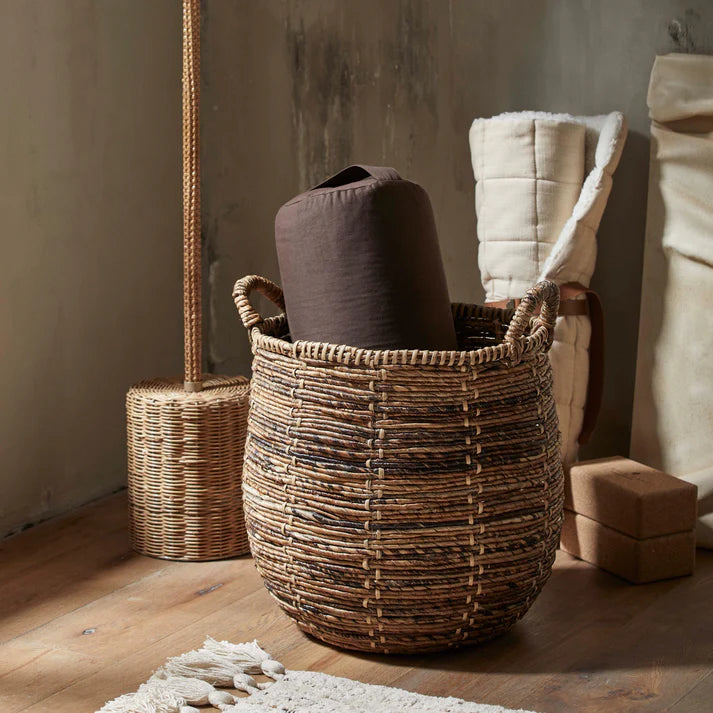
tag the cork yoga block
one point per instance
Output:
(637, 560)
(630, 497)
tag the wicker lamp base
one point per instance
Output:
(185, 460)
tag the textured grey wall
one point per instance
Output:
(296, 90)
(90, 298)
(293, 91)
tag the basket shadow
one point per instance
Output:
(587, 620)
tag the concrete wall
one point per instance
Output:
(295, 90)
(90, 195)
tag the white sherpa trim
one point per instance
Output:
(594, 195)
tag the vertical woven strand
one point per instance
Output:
(369, 557)
(469, 550)
(192, 322)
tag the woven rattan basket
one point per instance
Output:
(403, 501)
(185, 460)
(185, 436)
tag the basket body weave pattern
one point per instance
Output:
(403, 501)
(185, 459)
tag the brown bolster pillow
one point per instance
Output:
(360, 264)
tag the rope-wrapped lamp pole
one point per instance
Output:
(192, 302)
(186, 436)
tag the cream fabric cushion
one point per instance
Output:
(542, 183)
(673, 402)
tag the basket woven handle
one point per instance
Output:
(249, 316)
(546, 296)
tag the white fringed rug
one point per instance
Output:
(196, 679)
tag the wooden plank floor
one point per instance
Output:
(83, 619)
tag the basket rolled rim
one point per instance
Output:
(263, 336)
(216, 387)
(545, 295)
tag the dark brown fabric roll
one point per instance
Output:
(360, 264)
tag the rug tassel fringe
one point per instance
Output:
(191, 679)
(148, 699)
(218, 662)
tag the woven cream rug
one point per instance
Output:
(199, 678)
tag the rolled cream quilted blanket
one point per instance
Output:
(542, 183)
(673, 401)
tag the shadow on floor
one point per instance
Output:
(587, 620)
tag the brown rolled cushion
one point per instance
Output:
(360, 264)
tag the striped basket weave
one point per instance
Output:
(185, 459)
(404, 501)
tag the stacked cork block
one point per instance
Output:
(629, 519)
